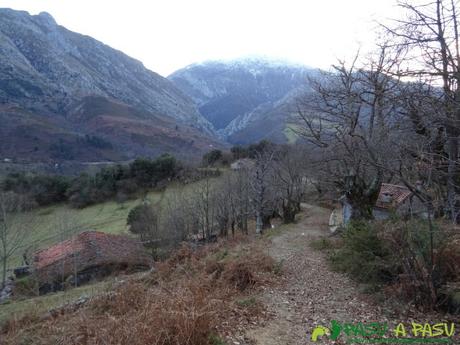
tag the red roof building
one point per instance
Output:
(391, 196)
(398, 200)
(87, 252)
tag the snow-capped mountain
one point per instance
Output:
(233, 94)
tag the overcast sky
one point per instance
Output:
(169, 34)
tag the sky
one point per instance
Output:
(169, 34)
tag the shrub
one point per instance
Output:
(322, 244)
(411, 259)
(148, 172)
(42, 189)
(363, 254)
(212, 157)
(179, 303)
(144, 220)
(427, 258)
(25, 287)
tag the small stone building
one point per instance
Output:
(399, 200)
(87, 256)
(243, 164)
(392, 199)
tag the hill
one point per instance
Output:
(58, 88)
(247, 99)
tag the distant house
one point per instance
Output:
(399, 200)
(89, 255)
(392, 199)
(244, 163)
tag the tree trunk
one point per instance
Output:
(289, 212)
(4, 261)
(452, 176)
(259, 223)
(266, 224)
(362, 198)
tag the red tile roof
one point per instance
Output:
(398, 195)
(88, 249)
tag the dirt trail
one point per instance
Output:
(312, 295)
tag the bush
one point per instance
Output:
(155, 229)
(126, 181)
(409, 259)
(427, 259)
(25, 287)
(212, 157)
(363, 255)
(148, 173)
(143, 220)
(42, 189)
(179, 303)
(322, 244)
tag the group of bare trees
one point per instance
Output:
(393, 114)
(429, 39)
(347, 117)
(272, 184)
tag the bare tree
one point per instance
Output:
(429, 36)
(241, 199)
(15, 227)
(179, 216)
(289, 180)
(260, 186)
(350, 117)
(203, 201)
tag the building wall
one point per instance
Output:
(412, 206)
(380, 214)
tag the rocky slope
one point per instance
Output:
(271, 121)
(247, 99)
(49, 74)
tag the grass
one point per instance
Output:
(276, 231)
(185, 301)
(216, 340)
(247, 302)
(16, 309)
(53, 224)
(56, 223)
(290, 132)
(322, 243)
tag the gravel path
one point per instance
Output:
(312, 294)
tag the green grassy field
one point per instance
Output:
(53, 224)
(38, 305)
(50, 225)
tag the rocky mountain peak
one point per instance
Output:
(231, 90)
(49, 71)
(47, 18)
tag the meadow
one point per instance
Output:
(53, 224)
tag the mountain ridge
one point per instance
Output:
(46, 71)
(230, 93)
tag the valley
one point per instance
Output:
(223, 194)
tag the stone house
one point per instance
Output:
(244, 163)
(399, 200)
(392, 199)
(87, 256)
